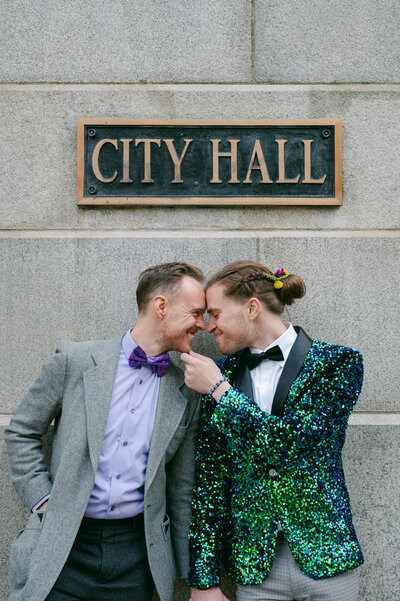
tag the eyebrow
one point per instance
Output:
(211, 309)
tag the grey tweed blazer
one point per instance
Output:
(74, 389)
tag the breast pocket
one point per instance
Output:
(22, 549)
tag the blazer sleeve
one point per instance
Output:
(41, 404)
(323, 407)
(209, 505)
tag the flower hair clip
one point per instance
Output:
(276, 277)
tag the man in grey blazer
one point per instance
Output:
(110, 515)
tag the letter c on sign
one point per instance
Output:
(95, 160)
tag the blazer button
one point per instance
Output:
(272, 473)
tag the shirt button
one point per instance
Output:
(140, 381)
(112, 507)
(133, 410)
(272, 473)
(118, 476)
(125, 443)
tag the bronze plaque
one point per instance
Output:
(209, 162)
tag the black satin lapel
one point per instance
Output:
(291, 370)
(242, 378)
(244, 382)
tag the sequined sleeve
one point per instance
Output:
(322, 408)
(209, 503)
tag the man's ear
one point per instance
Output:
(253, 307)
(160, 306)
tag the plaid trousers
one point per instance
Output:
(286, 582)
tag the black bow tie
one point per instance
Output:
(252, 360)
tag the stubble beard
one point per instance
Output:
(234, 344)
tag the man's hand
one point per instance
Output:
(43, 506)
(210, 594)
(201, 373)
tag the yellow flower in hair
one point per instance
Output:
(278, 284)
(285, 272)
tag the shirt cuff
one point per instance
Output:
(35, 507)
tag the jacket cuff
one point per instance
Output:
(39, 503)
(226, 408)
(39, 488)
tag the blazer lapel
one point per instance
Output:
(242, 377)
(172, 402)
(98, 386)
(291, 370)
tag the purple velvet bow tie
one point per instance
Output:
(158, 364)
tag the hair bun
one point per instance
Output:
(293, 287)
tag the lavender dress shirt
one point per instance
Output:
(119, 483)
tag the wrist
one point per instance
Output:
(223, 386)
(197, 594)
(216, 385)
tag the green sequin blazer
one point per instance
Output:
(255, 470)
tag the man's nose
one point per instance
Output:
(211, 325)
(201, 325)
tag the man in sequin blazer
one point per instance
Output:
(270, 500)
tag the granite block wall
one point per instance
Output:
(70, 272)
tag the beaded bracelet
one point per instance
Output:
(216, 386)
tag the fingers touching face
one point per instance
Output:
(184, 316)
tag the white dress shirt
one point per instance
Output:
(265, 376)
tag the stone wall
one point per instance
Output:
(69, 272)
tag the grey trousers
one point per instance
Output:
(286, 582)
(108, 562)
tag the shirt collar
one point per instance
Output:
(285, 341)
(128, 344)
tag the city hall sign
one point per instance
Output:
(209, 162)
